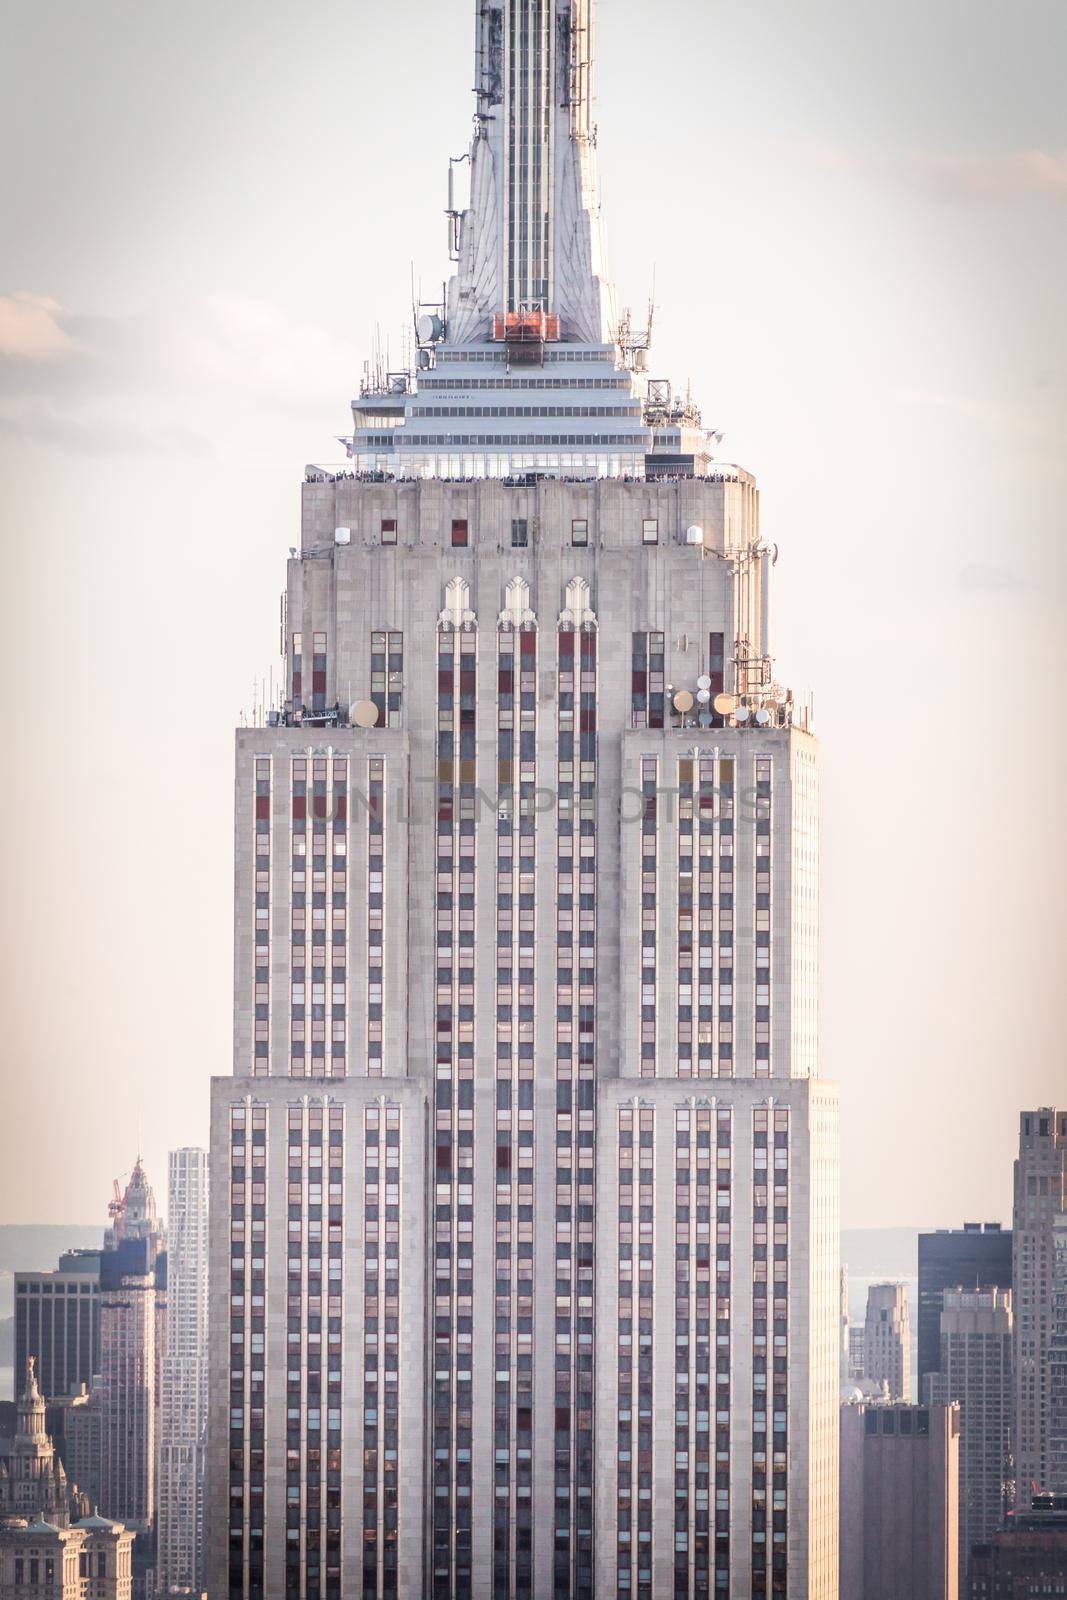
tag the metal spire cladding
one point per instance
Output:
(530, 239)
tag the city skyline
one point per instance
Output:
(608, 783)
(212, 370)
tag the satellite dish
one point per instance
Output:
(704, 719)
(683, 700)
(342, 536)
(363, 714)
(428, 327)
(704, 696)
(742, 714)
(695, 534)
(763, 716)
(704, 682)
(725, 704)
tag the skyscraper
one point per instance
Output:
(976, 1256)
(57, 1322)
(1040, 1199)
(976, 1372)
(524, 1270)
(899, 1502)
(183, 1397)
(132, 1335)
(887, 1339)
(1058, 1361)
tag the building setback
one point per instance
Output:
(524, 1222)
(976, 1256)
(1040, 1200)
(899, 1502)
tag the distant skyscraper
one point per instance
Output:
(976, 1256)
(899, 1502)
(1057, 1367)
(132, 1330)
(525, 1282)
(887, 1339)
(1040, 1199)
(183, 1404)
(976, 1371)
(57, 1322)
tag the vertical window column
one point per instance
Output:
(375, 914)
(763, 913)
(297, 668)
(318, 672)
(296, 1412)
(454, 1113)
(337, 826)
(576, 933)
(647, 680)
(513, 1380)
(686, 916)
(239, 1467)
(626, 1351)
(387, 677)
(298, 899)
(720, 1193)
(334, 1308)
(261, 1043)
(649, 912)
(381, 1351)
(705, 900)
(702, 1352)
(725, 1041)
(770, 1354)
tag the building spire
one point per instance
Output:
(530, 239)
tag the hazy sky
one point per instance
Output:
(857, 216)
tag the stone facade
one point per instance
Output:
(623, 926)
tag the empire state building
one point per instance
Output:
(524, 1186)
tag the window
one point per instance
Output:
(580, 530)
(389, 530)
(460, 533)
(520, 533)
(650, 530)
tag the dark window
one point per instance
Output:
(389, 530)
(460, 533)
(520, 533)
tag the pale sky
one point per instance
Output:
(857, 217)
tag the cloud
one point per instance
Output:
(95, 435)
(30, 330)
(1005, 175)
(993, 175)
